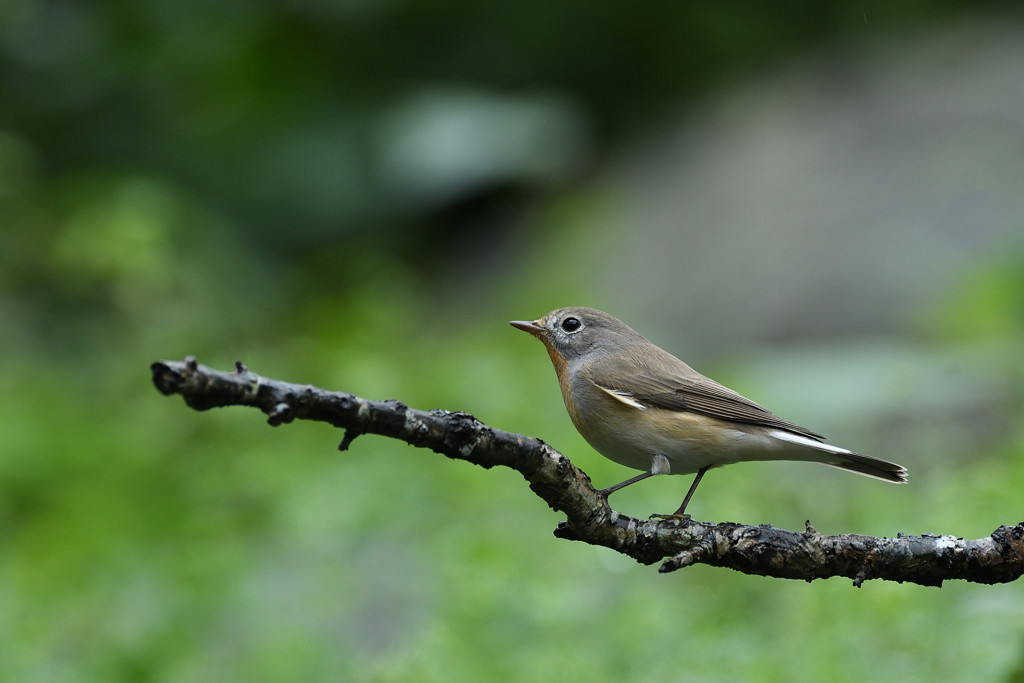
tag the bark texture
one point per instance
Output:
(764, 550)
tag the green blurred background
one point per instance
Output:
(817, 204)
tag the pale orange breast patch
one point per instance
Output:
(562, 372)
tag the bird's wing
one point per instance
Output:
(685, 389)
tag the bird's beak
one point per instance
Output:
(530, 326)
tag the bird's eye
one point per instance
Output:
(571, 324)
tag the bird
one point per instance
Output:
(638, 405)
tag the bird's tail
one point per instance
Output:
(834, 456)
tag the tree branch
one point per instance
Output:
(763, 550)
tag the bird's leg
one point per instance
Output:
(623, 484)
(659, 465)
(693, 487)
(681, 512)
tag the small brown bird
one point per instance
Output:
(642, 407)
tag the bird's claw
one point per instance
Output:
(685, 517)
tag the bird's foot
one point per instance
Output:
(675, 515)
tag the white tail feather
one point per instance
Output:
(810, 443)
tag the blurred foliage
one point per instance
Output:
(337, 193)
